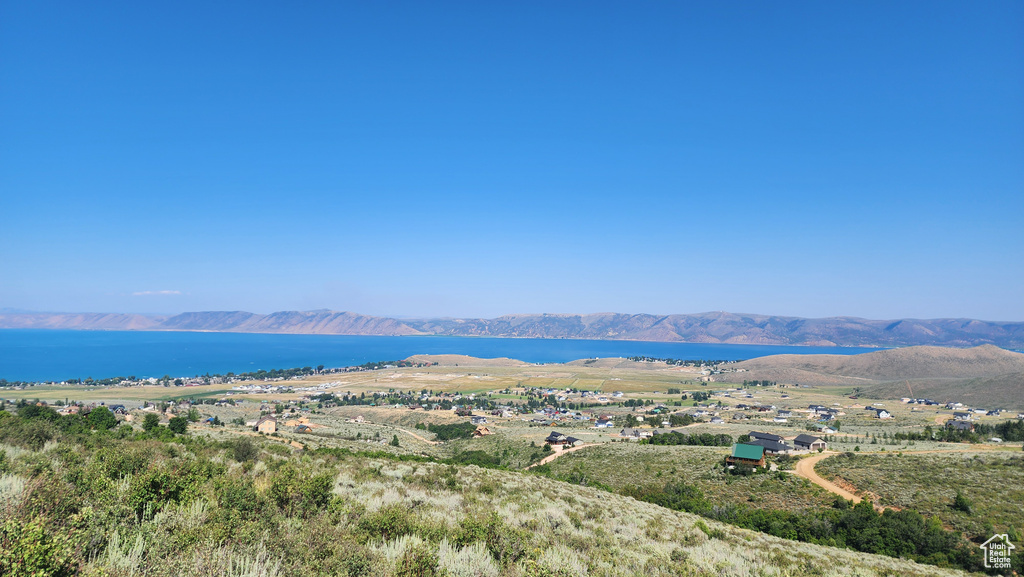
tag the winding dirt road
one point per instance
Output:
(805, 469)
(558, 454)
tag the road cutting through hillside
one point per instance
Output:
(558, 454)
(805, 469)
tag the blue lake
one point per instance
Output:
(55, 355)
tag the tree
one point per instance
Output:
(101, 418)
(150, 421)
(179, 425)
(244, 450)
(394, 441)
(193, 415)
(962, 503)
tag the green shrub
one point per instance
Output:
(120, 461)
(244, 449)
(962, 503)
(178, 425)
(298, 494)
(418, 561)
(30, 550)
(387, 523)
(101, 418)
(238, 495)
(450, 432)
(28, 434)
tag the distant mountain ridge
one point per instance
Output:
(711, 327)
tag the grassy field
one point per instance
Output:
(620, 465)
(993, 481)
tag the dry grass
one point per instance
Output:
(993, 481)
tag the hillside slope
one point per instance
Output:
(723, 327)
(80, 321)
(343, 514)
(984, 375)
(292, 322)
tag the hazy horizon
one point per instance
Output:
(452, 160)
(11, 310)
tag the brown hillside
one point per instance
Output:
(80, 321)
(466, 361)
(1001, 391)
(906, 363)
(987, 376)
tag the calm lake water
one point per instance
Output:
(54, 355)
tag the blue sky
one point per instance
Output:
(477, 159)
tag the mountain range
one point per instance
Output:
(711, 327)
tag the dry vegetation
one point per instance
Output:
(567, 528)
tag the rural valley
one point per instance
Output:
(452, 465)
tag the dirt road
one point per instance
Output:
(805, 469)
(558, 454)
(412, 434)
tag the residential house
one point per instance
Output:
(267, 425)
(960, 425)
(556, 438)
(602, 424)
(772, 447)
(809, 443)
(629, 433)
(749, 455)
(883, 414)
(765, 436)
(478, 420)
(303, 428)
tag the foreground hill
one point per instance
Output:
(716, 327)
(158, 504)
(985, 375)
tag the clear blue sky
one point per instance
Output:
(483, 158)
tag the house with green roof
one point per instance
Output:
(744, 454)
